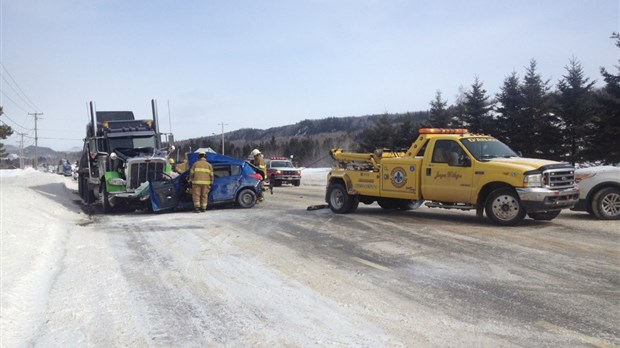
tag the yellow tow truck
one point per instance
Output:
(453, 169)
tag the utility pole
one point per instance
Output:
(223, 124)
(36, 139)
(21, 151)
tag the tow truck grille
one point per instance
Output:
(143, 171)
(559, 178)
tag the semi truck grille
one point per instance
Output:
(559, 178)
(143, 171)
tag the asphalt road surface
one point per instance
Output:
(281, 275)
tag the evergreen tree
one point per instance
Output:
(510, 129)
(458, 110)
(604, 140)
(5, 132)
(439, 115)
(538, 127)
(406, 132)
(380, 135)
(477, 114)
(575, 108)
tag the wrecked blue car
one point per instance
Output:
(236, 182)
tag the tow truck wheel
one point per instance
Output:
(246, 198)
(606, 204)
(545, 216)
(339, 200)
(503, 207)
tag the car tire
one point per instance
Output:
(606, 203)
(296, 182)
(504, 208)
(246, 198)
(339, 201)
(545, 216)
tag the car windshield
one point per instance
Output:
(485, 148)
(281, 164)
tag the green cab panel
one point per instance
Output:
(113, 188)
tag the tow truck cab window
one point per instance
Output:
(422, 150)
(449, 151)
(441, 150)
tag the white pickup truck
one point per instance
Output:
(599, 191)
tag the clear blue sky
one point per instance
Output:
(262, 64)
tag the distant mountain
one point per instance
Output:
(45, 154)
(309, 140)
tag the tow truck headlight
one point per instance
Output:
(533, 180)
(117, 181)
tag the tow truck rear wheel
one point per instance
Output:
(545, 216)
(503, 207)
(339, 201)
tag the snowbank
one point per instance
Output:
(314, 176)
(34, 225)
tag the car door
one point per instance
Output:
(163, 194)
(447, 180)
(227, 178)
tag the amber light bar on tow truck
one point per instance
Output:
(443, 131)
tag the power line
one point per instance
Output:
(35, 107)
(72, 139)
(14, 102)
(10, 119)
(16, 92)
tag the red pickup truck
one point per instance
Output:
(281, 170)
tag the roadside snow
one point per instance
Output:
(34, 226)
(314, 176)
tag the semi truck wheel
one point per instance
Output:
(503, 207)
(606, 204)
(339, 200)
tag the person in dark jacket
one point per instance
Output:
(201, 177)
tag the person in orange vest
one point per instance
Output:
(201, 177)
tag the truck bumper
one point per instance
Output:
(541, 199)
(287, 178)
